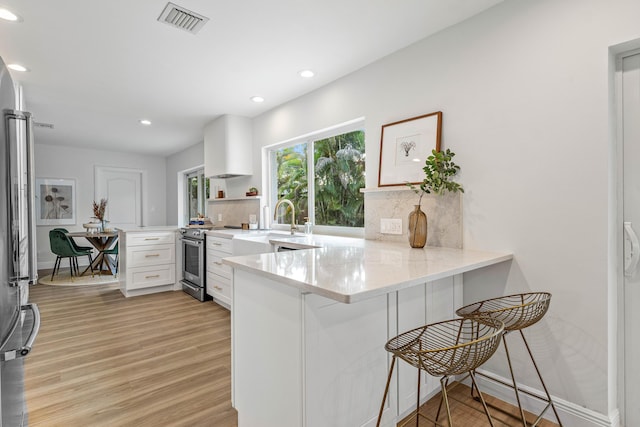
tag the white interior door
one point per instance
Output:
(631, 164)
(123, 190)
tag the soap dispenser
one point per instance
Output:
(307, 226)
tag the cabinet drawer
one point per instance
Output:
(219, 287)
(219, 244)
(151, 238)
(146, 277)
(215, 265)
(139, 256)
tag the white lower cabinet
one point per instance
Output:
(322, 363)
(219, 288)
(218, 283)
(147, 262)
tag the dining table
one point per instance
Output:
(101, 240)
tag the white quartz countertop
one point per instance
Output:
(348, 272)
(149, 228)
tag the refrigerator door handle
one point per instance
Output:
(26, 348)
(31, 196)
(21, 190)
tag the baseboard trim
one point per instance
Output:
(571, 414)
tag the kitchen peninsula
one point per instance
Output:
(309, 328)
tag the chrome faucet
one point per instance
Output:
(293, 213)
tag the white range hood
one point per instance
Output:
(228, 150)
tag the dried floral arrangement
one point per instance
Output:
(98, 209)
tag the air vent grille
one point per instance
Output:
(43, 125)
(179, 17)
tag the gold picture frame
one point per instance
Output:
(405, 146)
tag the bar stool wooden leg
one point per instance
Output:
(386, 390)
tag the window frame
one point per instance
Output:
(272, 186)
(202, 198)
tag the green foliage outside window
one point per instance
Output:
(339, 176)
(339, 169)
(292, 178)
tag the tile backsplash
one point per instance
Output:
(234, 211)
(444, 215)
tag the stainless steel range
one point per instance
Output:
(194, 267)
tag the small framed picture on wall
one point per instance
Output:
(55, 201)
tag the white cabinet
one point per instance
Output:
(219, 275)
(326, 359)
(147, 262)
(228, 147)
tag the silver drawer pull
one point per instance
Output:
(151, 255)
(217, 288)
(216, 244)
(151, 238)
(218, 263)
(152, 277)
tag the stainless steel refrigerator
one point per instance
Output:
(19, 320)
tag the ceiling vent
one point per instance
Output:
(179, 17)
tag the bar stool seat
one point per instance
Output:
(445, 349)
(517, 312)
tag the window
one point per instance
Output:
(322, 175)
(197, 193)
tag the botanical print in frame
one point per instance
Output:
(405, 146)
(55, 201)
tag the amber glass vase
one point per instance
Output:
(417, 228)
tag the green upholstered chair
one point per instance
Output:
(73, 242)
(62, 247)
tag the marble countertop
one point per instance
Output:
(350, 271)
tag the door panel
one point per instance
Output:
(631, 165)
(123, 190)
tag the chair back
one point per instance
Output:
(61, 245)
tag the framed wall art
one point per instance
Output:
(55, 201)
(405, 146)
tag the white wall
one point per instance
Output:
(524, 92)
(78, 164)
(186, 159)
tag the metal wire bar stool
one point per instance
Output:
(517, 312)
(445, 349)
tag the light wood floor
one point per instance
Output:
(105, 360)
(466, 412)
(157, 360)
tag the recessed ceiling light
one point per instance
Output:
(306, 74)
(18, 67)
(7, 15)
(145, 122)
(257, 99)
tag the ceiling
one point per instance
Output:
(97, 68)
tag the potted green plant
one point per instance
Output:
(253, 191)
(439, 170)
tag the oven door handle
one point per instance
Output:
(192, 242)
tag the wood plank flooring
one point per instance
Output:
(466, 412)
(105, 360)
(157, 360)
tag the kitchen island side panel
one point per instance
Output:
(267, 352)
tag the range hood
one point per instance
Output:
(228, 147)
